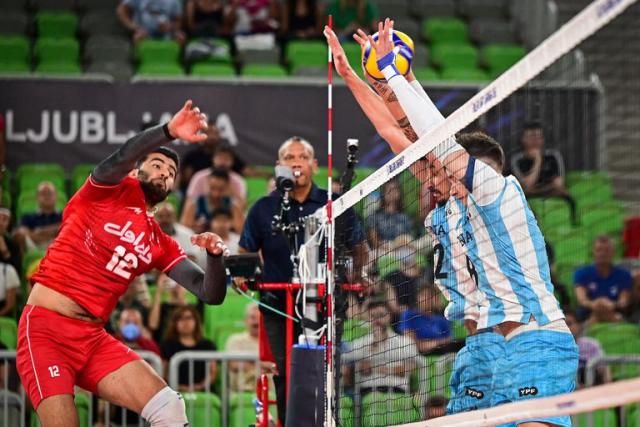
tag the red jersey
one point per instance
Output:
(106, 239)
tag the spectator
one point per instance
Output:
(223, 160)
(602, 289)
(302, 19)
(199, 157)
(559, 288)
(401, 284)
(168, 222)
(9, 250)
(198, 213)
(253, 16)
(349, 15)
(132, 332)
(207, 18)
(243, 374)
(157, 19)
(137, 297)
(423, 323)
(185, 333)
(589, 348)
(436, 406)
(9, 283)
(383, 359)
(540, 170)
(221, 223)
(37, 230)
(161, 310)
(389, 220)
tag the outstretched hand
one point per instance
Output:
(211, 242)
(384, 44)
(188, 124)
(340, 59)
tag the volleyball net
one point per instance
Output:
(565, 116)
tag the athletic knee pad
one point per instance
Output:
(165, 409)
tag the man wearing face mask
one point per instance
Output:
(131, 332)
(108, 237)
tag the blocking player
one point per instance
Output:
(454, 272)
(506, 246)
(109, 236)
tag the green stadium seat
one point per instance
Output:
(385, 409)
(224, 329)
(80, 174)
(62, 68)
(459, 331)
(231, 312)
(574, 177)
(39, 168)
(601, 418)
(498, 58)
(241, 410)
(322, 175)
(573, 249)
(203, 409)
(257, 187)
(212, 70)
(14, 68)
(354, 329)
(618, 338)
(56, 24)
(9, 332)
(15, 49)
(386, 265)
(345, 413)
(464, 74)
(445, 30)
(161, 69)
(361, 173)
(83, 403)
(425, 74)
(307, 54)
(632, 416)
(603, 220)
(354, 54)
(445, 55)
(555, 213)
(57, 50)
(151, 51)
(264, 70)
(29, 183)
(27, 203)
(591, 193)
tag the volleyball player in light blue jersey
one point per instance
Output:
(471, 378)
(504, 242)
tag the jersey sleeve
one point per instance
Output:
(172, 253)
(483, 182)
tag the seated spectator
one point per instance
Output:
(161, 310)
(383, 359)
(185, 333)
(424, 324)
(349, 15)
(302, 19)
(136, 296)
(253, 16)
(389, 220)
(9, 285)
(221, 223)
(207, 18)
(242, 376)
(223, 160)
(37, 230)
(198, 212)
(436, 406)
(132, 332)
(602, 289)
(168, 222)
(9, 250)
(199, 157)
(157, 19)
(540, 170)
(589, 348)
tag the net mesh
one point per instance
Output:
(398, 359)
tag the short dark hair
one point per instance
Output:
(220, 173)
(221, 212)
(437, 400)
(224, 149)
(479, 144)
(532, 125)
(166, 151)
(376, 302)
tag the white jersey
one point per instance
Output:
(505, 244)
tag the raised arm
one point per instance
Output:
(186, 124)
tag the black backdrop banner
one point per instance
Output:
(79, 121)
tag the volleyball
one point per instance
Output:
(403, 47)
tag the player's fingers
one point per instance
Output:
(373, 43)
(359, 39)
(187, 105)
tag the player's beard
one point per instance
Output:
(152, 193)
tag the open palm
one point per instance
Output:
(188, 124)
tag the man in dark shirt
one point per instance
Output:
(37, 230)
(257, 235)
(540, 170)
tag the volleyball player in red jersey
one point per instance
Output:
(109, 236)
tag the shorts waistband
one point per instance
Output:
(557, 325)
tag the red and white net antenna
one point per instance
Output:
(329, 421)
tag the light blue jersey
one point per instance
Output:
(453, 272)
(507, 249)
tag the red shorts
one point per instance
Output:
(56, 352)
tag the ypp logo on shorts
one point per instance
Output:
(528, 391)
(473, 393)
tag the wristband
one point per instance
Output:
(387, 65)
(165, 129)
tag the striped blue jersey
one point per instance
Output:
(451, 265)
(507, 249)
